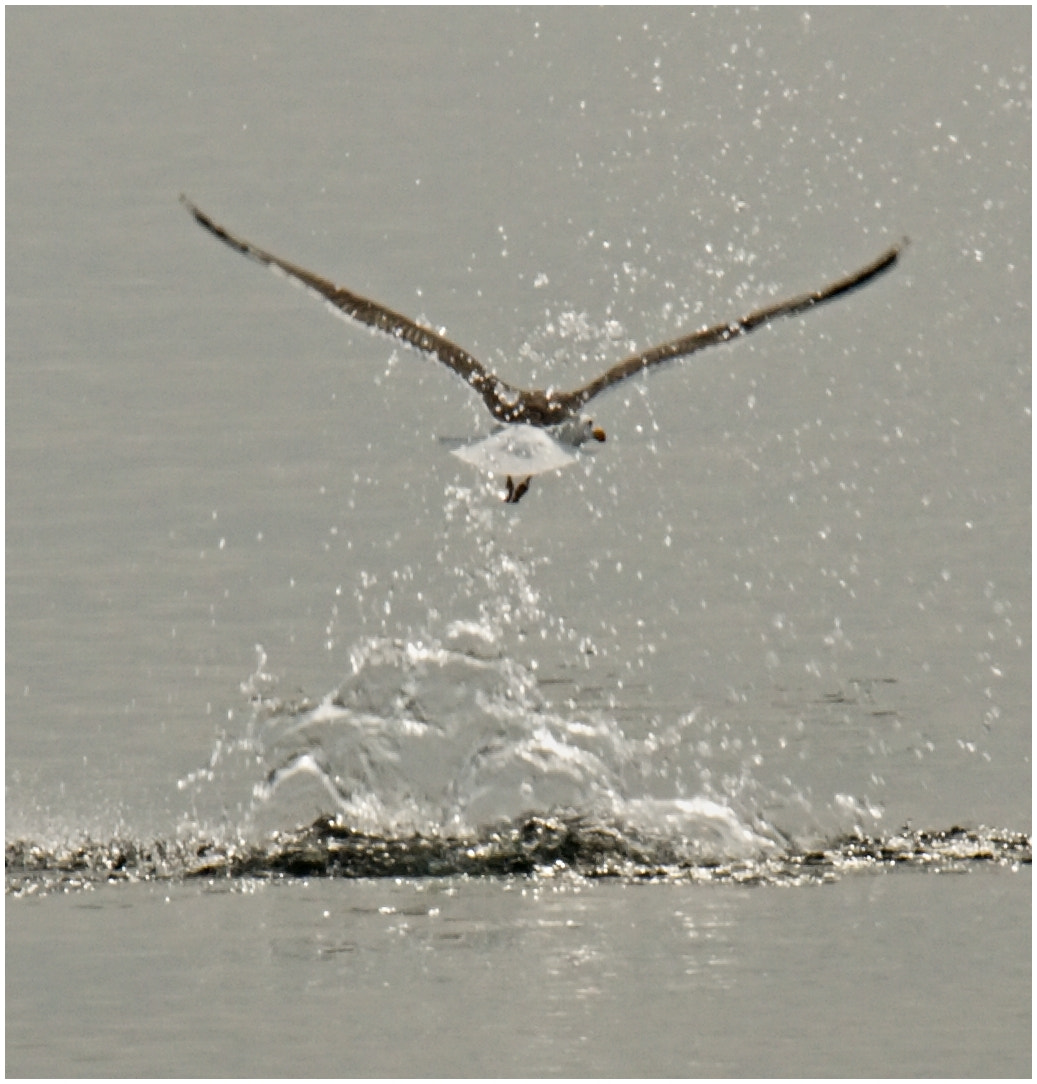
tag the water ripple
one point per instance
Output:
(533, 846)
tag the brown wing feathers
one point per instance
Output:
(721, 333)
(361, 309)
(505, 402)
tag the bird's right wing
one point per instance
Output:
(722, 333)
(362, 309)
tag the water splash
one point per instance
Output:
(447, 730)
(441, 752)
(451, 737)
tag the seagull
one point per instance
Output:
(559, 414)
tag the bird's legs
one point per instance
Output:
(515, 492)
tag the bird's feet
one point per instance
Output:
(516, 491)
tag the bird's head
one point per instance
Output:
(582, 429)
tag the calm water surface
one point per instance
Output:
(512, 978)
(784, 611)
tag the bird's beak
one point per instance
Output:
(598, 434)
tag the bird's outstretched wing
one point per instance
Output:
(371, 313)
(722, 333)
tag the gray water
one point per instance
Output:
(784, 608)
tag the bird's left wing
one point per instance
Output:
(722, 333)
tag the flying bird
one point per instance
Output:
(518, 453)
